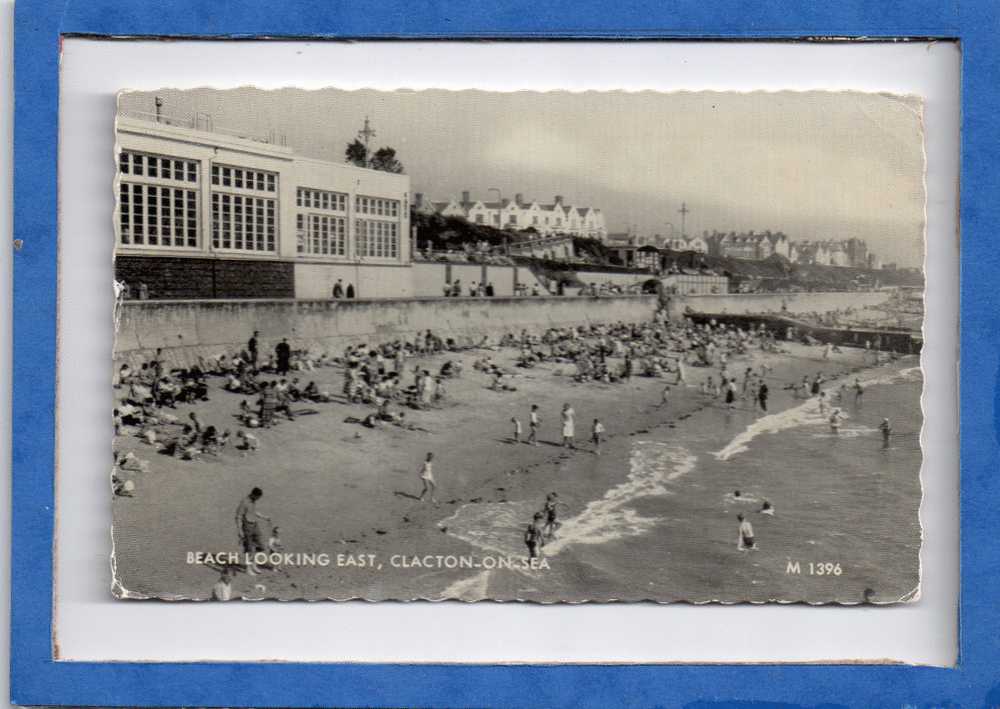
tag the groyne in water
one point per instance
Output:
(903, 342)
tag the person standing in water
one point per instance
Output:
(762, 396)
(835, 419)
(533, 537)
(886, 428)
(746, 541)
(859, 391)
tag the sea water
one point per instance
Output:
(668, 531)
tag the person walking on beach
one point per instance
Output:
(595, 435)
(568, 426)
(730, 394)
(745, 542)
(534, 539)
(533, 423)
(248, 525)
(886, 428)
(665, 396)
(427, 478)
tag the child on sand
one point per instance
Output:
(248, 441)
(517, 429)
(595, 435)
(427, 478)
(746, 540)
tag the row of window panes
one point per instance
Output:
(377, 239)
(320, 235)
(243, 223)
(320, 199)
(158, 216)
(376, 206)
(242, 179)
(158, 166)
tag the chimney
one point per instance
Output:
(418, 199)
(465, 197)
(518, 199)
(559, 199)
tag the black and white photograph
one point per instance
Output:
(552, 347)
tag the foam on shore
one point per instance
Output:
(807, 413)
(499, 527)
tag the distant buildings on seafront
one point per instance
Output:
(557, 217)
(759, 246)
(629, 248)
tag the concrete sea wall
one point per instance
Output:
(186, 329)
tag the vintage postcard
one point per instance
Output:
(550, 347)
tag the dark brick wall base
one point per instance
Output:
(169, 277)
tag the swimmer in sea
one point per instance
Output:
(767, 509)
(835, 418)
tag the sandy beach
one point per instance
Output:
(652, 516)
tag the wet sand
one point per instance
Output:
(349, 492)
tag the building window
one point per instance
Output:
(154, 215)
(239, 178)
(154, 211)
(243, 223)
(157, 167)
(377, 239)
(243, 213)
(479, 219)
(321, 235)
(376, 206)
(320, 199)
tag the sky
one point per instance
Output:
(814, 165)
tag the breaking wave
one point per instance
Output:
(499, 527)
(807, 413)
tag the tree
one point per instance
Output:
(385, 159)
(356, 153)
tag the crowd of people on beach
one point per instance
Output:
(277, 386)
